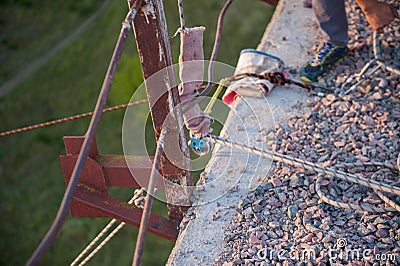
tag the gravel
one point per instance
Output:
(283, 219)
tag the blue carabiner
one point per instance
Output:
(200, 146)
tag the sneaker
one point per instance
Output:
(326, 55)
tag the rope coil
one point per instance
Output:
(363, 207)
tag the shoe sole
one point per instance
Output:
(305, 79)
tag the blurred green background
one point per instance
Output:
(67, 83)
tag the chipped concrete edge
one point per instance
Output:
(289, 36)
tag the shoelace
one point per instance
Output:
(326, 47)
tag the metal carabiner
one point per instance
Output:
(362, 75)
(201, 146)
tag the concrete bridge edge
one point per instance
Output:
(290, 36)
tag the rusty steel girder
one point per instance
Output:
(271, 2)
(91, 198)
(152, 41)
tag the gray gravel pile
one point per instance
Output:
(283, 222)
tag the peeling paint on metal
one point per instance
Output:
(161, 52)
(149, 11)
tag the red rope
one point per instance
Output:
(275, 78)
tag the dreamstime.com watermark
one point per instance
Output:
(338, 252)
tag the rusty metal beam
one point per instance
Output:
(106, 206)
(113, 170)
(73, 145)
(90, 134)
(118, 174)
(271, 2)
(99, 172)
(154, 49)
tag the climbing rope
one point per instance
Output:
(333, 172)
(364, 207)
(104, 242)
(217, 42)
(69, 118)
(181, 15)
(92, 244)
(138, 200)
(377, 54)
(275, 78)
(278, 78)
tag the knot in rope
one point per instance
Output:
(275, 77)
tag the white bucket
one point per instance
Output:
(253, 61)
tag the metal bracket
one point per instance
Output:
(91, 198)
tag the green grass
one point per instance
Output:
(27, 29)
(31, 182)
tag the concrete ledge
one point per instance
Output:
(231, 174)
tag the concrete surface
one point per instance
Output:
(231, 174)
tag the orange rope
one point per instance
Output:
(66, 119)
(276, 78)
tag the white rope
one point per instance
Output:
(377, 186)
(364, 207)
(94, 242)
(138, 200)
(181, 15)
(103, 243)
